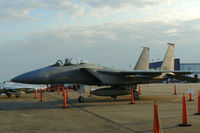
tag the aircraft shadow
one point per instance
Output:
(97, 100)
(31, 105)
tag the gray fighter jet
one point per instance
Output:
(10, 88)
(117, 82)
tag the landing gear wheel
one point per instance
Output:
(114, 97)
(8, 94)
(81, 99)
(17, 95)
(136, 95)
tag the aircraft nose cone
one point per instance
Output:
(33, 77)
(24, 78)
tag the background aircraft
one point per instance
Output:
(117, 82)
(10, 88)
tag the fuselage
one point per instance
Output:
(88, 74)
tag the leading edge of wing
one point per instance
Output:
(144, 72)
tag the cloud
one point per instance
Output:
(172, 32)
(20, 10)
(60, 17)
(16, 14)
(102, 8)
(16, 10)
(109, 42)
(114, 43)
(78, 12)
(170, 11)
(148, 10)
(181, 12)
(116, 4)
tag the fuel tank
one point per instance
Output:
(111, 91)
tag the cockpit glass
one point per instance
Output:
(70, 62)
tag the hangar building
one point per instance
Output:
(157, 65)
(178, 66)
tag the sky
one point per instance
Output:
(36, 33)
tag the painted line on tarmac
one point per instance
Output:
(97, 115)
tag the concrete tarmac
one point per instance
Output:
(99, 114)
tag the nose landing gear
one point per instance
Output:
(81, 91)
(81, 99)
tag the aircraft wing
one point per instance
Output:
(180, 75)
(183, 72)
(127, 73)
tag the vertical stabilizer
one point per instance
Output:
(143, 61)
(168, 61)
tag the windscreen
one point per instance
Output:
(70, 62)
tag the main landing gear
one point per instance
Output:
(81, 91)
(81, 99)
(17, 95)
(8, 94)
(113, 97)
(136, 95)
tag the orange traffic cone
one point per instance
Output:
(132, 97)
(64, 99)
(41, 95)
(198, 113)
(184, 113)
(190, 97)
(67, 96)
(175, 90)
(58, 90)
(156, 119)
(35, 93)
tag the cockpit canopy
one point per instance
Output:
(70, 62)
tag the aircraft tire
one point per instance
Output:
(81, 99)
(136, 95)
(114, 97)
(8, 94)
(17, 95)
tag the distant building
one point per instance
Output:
(178, 66)
(157, 65)
(191, 66)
